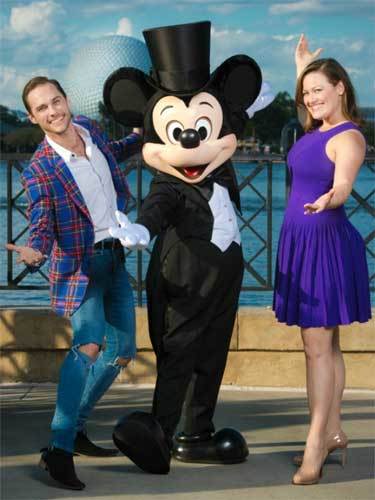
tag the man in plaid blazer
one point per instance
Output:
(74, 187)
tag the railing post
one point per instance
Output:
(287, 182)
(269, 223)
(9, 221)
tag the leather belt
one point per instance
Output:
(108, 243)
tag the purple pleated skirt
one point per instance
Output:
(321, 272)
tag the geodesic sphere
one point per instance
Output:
(91, 65)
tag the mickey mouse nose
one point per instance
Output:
(189, 138)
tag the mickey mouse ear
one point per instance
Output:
(239, 80)
(126, 93)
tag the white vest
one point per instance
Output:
(225, 228)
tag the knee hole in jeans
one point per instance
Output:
(91, 349)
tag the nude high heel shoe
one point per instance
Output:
(309, 472)
(335, 441)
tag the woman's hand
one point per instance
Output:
(303, 56)
(319, 204)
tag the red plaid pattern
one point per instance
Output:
(60, 223)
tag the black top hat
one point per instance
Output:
(180, 66)
(180, 56)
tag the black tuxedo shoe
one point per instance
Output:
(227, 446)
(59, 463)
(83, 446)
(140, 437)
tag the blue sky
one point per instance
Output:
(40, 37)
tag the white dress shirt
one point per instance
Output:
(93, 177)
(225, 229)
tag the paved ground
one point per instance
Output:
(273, 422)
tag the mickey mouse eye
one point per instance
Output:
(204, 128)
(174, 130)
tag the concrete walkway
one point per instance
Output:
(273, 422)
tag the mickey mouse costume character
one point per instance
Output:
(191, 120)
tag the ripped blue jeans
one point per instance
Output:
(106, 317)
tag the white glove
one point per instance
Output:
(132, 236)
(264, 98)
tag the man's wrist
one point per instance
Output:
(138, 131)
(41, 255)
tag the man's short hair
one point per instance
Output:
(33, 83)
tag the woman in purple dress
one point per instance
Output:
(321, 271)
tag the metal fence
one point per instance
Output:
(263, 207)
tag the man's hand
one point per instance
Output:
(132, 236)
(303, 56)
(27, 255)
(319, 204)
(138, 130)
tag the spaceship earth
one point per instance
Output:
(91, 65)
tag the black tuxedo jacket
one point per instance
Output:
(181, 210)
(178, 274)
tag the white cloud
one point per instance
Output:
(102, 8)
(301, 6)
(345, 48)
(355, 72)
(124, 27)
(285, 38)
(225, 8)
(228, 42)
(12, 81)
(34, 36)
(237, 37)
(356, 46)
(93, 9)
(217, 6)
(38, 20)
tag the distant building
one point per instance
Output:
(91, 65)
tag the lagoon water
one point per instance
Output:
(253, 237)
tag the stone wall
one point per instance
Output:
(263, 352)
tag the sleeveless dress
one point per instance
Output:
(321, 270)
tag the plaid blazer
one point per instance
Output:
(60, 223)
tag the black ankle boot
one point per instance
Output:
(59, 463)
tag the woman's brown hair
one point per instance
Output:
(335, 73)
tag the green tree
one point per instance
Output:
(268, 123)
(6, 116)
(23, 139)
